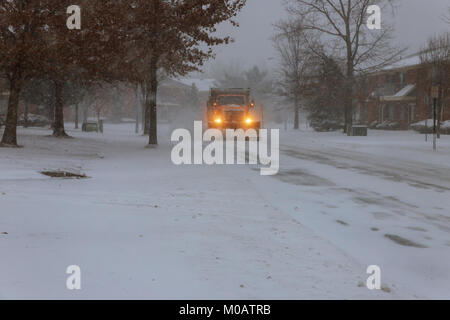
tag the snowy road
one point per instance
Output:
(384, 200)
(414, 173)
(141, 227)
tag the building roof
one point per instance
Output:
(408, 61)
(405, 91)
(402, 95)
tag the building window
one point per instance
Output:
(365, 111)
(402, 77)
(391, 78)
(412, 113)
(402, 113)
(390, 112)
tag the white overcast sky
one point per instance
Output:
(416, 20)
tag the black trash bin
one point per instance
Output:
(358, 131)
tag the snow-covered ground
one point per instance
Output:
(141, 227)
(384, 199)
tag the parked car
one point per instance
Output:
(326, 125)
(90, 126)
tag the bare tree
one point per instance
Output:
(295, 62)
(436, 56)
(176, 37)
(340, 26)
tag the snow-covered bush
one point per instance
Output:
(426, 126)
(373, 125)
(445, 127)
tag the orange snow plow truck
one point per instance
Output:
(232, 109)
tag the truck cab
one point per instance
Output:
(231, 109)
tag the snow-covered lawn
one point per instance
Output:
(143, 228)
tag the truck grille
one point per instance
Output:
(233, 115)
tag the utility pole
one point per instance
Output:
(434, 95)
(76, 116)
(434, 124)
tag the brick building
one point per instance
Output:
(398, 96)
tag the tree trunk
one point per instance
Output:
(143, 118)
(439, 112)
(58, 125)
(438, 123)
(85, 113)
(152, 84)
(296, 113)
(146, 109)
(25, 115)
(9, 138)
(348, 112)
(76, 116)
(147, 112)
(138, 97)
(51, 114)
(144, 93)
(153, 126)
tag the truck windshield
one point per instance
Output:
(231, 100)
